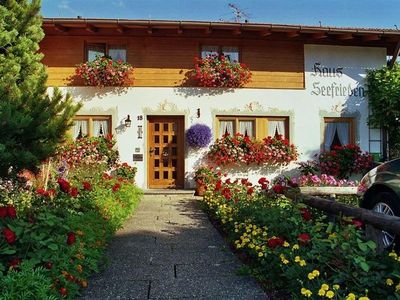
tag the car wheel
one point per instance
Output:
(388, 204)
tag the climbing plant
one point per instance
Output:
(383, 89)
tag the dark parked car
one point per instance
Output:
(380, 188)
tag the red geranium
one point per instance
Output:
(116, 187)
(264, 183)
(71, 238)
(226, 192)
(64, 185)
(3, 212)
(74, 192)
(275, 242)
(279, 189)
(305, 214)
(304, 238)
(357, 223)
(42, 192)
(87, 186)
(9, 235)
(12, 213)
(250, 191)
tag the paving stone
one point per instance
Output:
(210, 269)
(213, 287)
(104, 288)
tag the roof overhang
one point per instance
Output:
(387, 38)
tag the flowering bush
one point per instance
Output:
(124, 171)
(103, 71)
(54, 238)
(198, 136)
(343, 161)
(323, 180)
(205, 175)
(295, 250)
(218, 71)
(241, 149)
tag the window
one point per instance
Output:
(230, 52)
(88, 126)
(338, 132)
(114, 51)
(254, 127)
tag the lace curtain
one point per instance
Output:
(246, 128)
(208, 50)
(276, 127)
(100, 128)
(80, 129)
(232, 53)
(339, 128)
(117, 54)
(225, 127)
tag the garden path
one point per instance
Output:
(170, 250)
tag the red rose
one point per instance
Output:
(11, 212)
(304, 238)
(218, 185)
(3, 212)
(305, 214)
(275, 242)
(116, 187)
(226, 193)
(357, 223)
(87, 186)
(9, 235)
(71, 238)
(41, 192)
(64, 185)
(14, 263)
(74, 192)
(63, 291)
(279, 189)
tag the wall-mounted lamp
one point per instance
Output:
(198, 113)
(128, 121)
(140, 132)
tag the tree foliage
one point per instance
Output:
(32, 122)
(384, 101)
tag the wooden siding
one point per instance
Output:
(166, 62)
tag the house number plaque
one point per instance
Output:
(137, 157)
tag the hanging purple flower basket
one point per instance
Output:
(198, 136)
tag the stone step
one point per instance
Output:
(168, 192)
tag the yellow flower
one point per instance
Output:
(393, 254)
(398, 287)
(321, 292)
(310, 276)
(332, 235)
(306, 292)
(330, 294)
(302, 263)
(363, 298)
(325, 287)
(315, 273)
(295, 247)
(286, 244)
(260, 254)
(351, 296)
(389, 282)
(297, 259)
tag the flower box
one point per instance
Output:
(328, 190)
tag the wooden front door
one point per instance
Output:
(165, 145)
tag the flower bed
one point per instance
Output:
(53, 237)
(218, 71)
(239, 149)
(293, 249)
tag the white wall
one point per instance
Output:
(306, 107)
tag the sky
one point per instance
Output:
(351, 13)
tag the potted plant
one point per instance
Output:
(198, 136)
(218, 71)
(204, 176)
(103, 71)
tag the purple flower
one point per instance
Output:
(198, 136)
